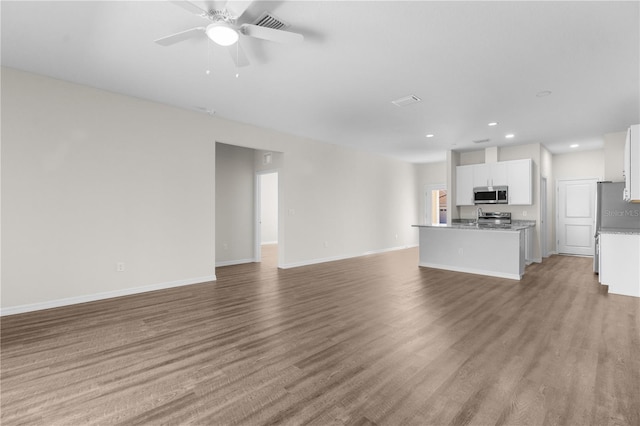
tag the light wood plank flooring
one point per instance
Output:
(372, 340)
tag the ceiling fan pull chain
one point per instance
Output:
(209, 53)
(237, 57)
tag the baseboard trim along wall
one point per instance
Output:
(334, 258)
(13, 310)
(234, 262)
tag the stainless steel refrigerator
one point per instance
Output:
(613, 213)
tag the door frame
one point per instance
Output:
(427, 202)
(257, 229)
(544, 217)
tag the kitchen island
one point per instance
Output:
(497, 251)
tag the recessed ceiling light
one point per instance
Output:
(574, 145)
(510, 136)
(543, 93)
(493, 123)
(429, 135)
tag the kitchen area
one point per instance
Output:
(616, 258)
(504, 213)
(490, 244)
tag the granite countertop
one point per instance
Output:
(620, 231)
(516, 225)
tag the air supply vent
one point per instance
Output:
(267, 20)
(481, 141)
(407, 100)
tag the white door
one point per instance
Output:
(576, 216)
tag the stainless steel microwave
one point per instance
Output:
(490, 195)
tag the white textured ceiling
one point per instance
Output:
(470, 62)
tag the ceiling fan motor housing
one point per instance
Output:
(221, 31)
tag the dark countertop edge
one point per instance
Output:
(512, 228)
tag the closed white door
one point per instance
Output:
(576, 216)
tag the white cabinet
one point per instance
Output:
(632, 164)
(519, 182)
(490, 174)
(464, 185)
(619, 266)
(517, 175)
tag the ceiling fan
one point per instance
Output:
(225, 31)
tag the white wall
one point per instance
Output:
(579, 165)
(546, 170)
(269, 208)
(234, 197)
(614, 156)
(91, 178)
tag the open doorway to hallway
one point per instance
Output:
(238, 236)
(436, 205)
(267, 218)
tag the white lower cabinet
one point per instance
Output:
(620, 263)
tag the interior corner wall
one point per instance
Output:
(235, 212)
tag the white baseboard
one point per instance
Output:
(234, 262)
(20, 309)
(335, 258)
(264, 243)
(471, 271)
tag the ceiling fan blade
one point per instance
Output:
(181, 36)
(187, 5)
(237, 54)
(270, 34)
(237, 7)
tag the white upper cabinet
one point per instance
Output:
(519, 182)
(517, 175)
(490, 174)
(464, 185)
(632, 165)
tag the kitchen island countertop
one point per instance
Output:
(516, 225)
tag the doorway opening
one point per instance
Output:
(267, 218)
(436, 205)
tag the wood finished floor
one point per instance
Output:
(372, 340)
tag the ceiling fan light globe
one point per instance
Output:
(222, 34)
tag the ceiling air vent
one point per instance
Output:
(267, 20)
(481, 141)
(407, 100)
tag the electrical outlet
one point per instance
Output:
(120, 267)
(326, 243)
(524, 213)
(396, 236)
